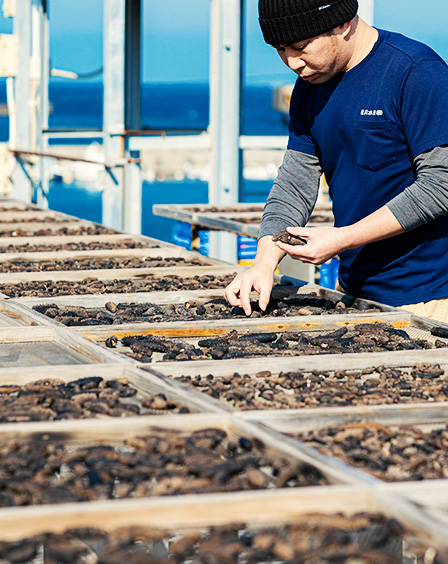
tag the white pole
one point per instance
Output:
(113, 114)
(225, 93)
(22, 188)
(43, 104)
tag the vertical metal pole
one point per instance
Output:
(132, 171)
(22, 188)
(114, 110)
(225, 103)
(366, 10)
(35, 67)
(133, 64)
(43, 107)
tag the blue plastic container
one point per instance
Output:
(328, 274)
(181, 235)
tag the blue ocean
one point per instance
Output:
(164, 106)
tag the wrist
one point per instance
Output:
(268, 254)
(269, 264)
(348, 238)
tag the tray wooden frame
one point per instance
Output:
(281, 419)
(306, 325)
(7, 203)
(165, 298)
(215, 327)
(64, 239)
(119, 273)
(255, 508)
(283, 422)
(191, 511)
(226, 219)
(277, 364)
(144, 383)
(164, 253)
(52, 226)
(298, 420)
(115, 430)
(99, 300)
(37, 215)
(197, 296)
(19, 315)
(82, 348)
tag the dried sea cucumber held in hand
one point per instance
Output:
(288, 239)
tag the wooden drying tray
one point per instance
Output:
(252, 508)
(324, 363)
(113, 430)
(43, 346)
(298, 420)
(188, 212)
(202, 296)
(35, 215)
(120, 273)
(162, 298)
(305, 325)
(60, 221)
(164, 253)
(277, 364)
(232, 222)
(143, 382)
(221, 327)
(225, 218)
(16, 522)
(6, 204)
(37, 226)
(184, 212)
(284, 423)
(99, 300)
(63, 239)
(196, 297)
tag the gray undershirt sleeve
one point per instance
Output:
(427, 197)
(293, 195)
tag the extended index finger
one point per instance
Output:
(247, 284)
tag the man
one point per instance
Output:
(370, 110)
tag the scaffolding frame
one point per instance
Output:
(122, 137)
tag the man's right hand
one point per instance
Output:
(260, 277)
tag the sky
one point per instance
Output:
(176, 37)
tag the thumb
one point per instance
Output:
(303, 231)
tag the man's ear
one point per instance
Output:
(344, 30)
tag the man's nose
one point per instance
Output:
(294, 62)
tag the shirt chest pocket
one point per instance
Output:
(375, 146)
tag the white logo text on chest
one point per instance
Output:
(372, 112)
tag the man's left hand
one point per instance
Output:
(323, 243)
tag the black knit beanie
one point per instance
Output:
(284, 22)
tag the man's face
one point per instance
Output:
(316, 60)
